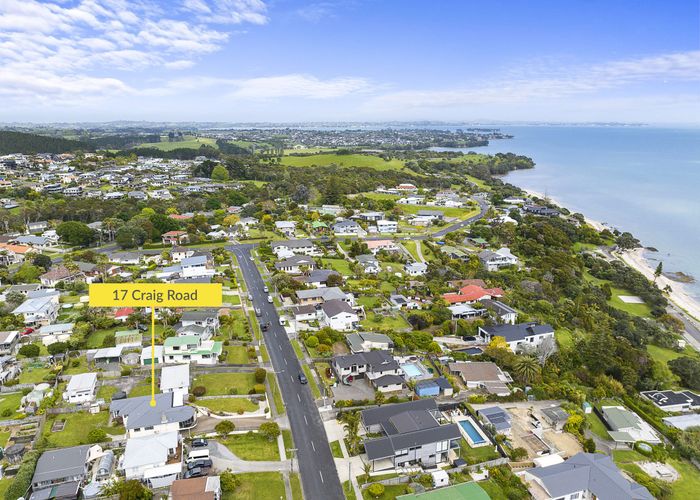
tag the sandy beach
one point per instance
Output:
(635, 259)
(679, 296)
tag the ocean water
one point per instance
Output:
(639, 179)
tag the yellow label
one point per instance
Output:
(155, 295)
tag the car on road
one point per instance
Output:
(283, 321)
(302, 378)
(250, 296)
(252, 258)
(266, 289)
(196, 472)
(258, 312)
(199, 443)
(269, 299)
(203, 463)
(266, 326)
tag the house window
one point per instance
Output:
(574, 496)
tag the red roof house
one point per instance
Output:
(472, 293)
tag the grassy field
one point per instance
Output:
(411, 247)
(346, 160)
(374, 321)
(641, 310)
(190, 142)
(349, 491)
(476, 455)
(31, 375)
(258, 486)
(336, 450)
(76, 429)
(10, 403)
(296, 486)
(276, 394)
(237, 355)
(220, 384)
(297, 349)
(252, 446)
(230, 405)
(597, 426)
(340, 265)
(665, 355)
(390, 492)
(312, 381)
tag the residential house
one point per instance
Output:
(318, 277)
(433, 387)
(372, 216)
(502, 312)
(38, 311)
(406, 188)
(413, 433)
(433, 215)
(366, 341)
(338, 315)
(205, 318)
(415, 268)
(496, 417)
(493, 261)
(472, 293)
(295, 264)
(583, 476)
(175, 238)
(387, 226)
(196, 267)
(125, 258)
(14, 254)
(465, 311)
(370, 364)
(628, 427)
(286, 227)
(176, 379)
(60, 274)
(81, 388)
(37, 227)
(348, 228)
(155, 459)
(287, 248)
(376, 246)
(369, 263)
(140, 418)
(59, 473)
(178, 253)
(482, 375)
(528, 334)
(540, 210)
(673, 401)
(191, 349)
(201, 488)
(122, 314)
(555, 416)
(321, 295)
(8, 341)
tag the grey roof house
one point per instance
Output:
(140, 418)
(55, 467)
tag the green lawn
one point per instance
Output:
(76, 430)
(4, 436)
(461, 213)
(597, 426)
(237, 355)
(142, 389)
(340, 265)
(296, 486)
(345, 160)
(476, 455)
(31, 375)
(411, 247)
(232, 299)
(82, 367)
(96, 338)
(390, 492)
(312, 381)
(349, 491)
(106, 392)
(190, 142)
(9, 402)
(297, 349)
(276, 394)
(252, 446)
(688, 484)
(336, 450)
(641, 310)
(665, 355)
(288, 440)
(373, 322)
(230, 405)
(4, 485)
(258, 486)
(220, 384)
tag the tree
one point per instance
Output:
(27, 273)
(626, 241)
(76, 233)
(375, 489)
(688, 369)
(351, 424)
(219, 173)
(57, 348)
(260, 375)
(129, 490)
(527, 369)
(379, 398)
(97, 435)
(545, 349)
(130, 236)
(658, 271)
(270, 430)
(229, 481)
(42, 260)
(224, 428)
(30, 350)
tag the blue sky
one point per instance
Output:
(284, 60)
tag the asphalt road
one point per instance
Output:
(319, 476)
(483, 208)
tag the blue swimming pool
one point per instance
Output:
(411, 370)
(471, 432)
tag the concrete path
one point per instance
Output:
(224, 459)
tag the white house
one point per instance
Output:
(155, 459)
(142, 419)
(517, 336)
(176, 379)
(295, 263)
(387, 226)
(338, 315)
(288, 248)
(493, 261)
(81, 388)
(415, 268)
(191, 349)
(371, 364)
(348, 228)
(286, 227)
(38, 311)
(196, 267)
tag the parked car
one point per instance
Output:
(196, 472)
(258, 312)
(203, 463)
(27, 331)
(302, 378)
(250, 296)
(469, 338)
(269, 299)
(283, 321)
(266, 289)
(199, 443)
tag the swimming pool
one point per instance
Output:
(411, 370)
(474, 435)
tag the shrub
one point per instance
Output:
(126, 371)
(376, 490)
(224, 427)
(258, 389)
(311, 341)
(270, 430)
(23, 478)
(97, 436)
(233, 391)
(30, 351)
(229, 481)
(57, 347)
(199, 391)
(260, 375)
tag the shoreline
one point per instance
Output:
(636, 260)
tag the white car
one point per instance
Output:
(269, 299)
